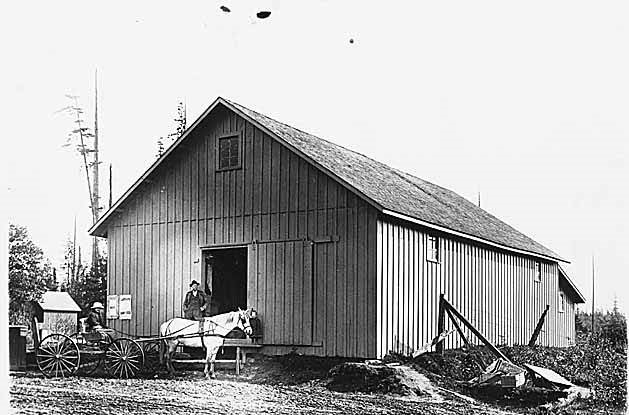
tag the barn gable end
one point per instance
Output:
(307, 239)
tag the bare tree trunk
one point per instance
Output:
(96, 197)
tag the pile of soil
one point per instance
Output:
(361, 377)
(289, 369)
(380, 378)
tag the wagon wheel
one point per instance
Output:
(124, 358)
(58, 356)
(151, 356)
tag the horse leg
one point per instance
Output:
(207, 362)
(169, 355)
(211, 356)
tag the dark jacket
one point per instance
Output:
(192, 305)
(94, 320)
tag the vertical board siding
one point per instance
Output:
(496, 291)
(319, 297)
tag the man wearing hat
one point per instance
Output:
(195, 303)
(95, 317)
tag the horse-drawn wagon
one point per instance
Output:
(60, 355)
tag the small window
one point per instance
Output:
(538, 272)
(432, 249)
(228, 154)
(562, 302)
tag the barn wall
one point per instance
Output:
(317, 296)
(493, 289)
(567, 318)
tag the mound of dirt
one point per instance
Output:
(288, 369)
(379, 378)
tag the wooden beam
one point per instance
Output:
(478, 334)
(458, 328)
(538, 327)
(441, 322)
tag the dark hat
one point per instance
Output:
(194, 282)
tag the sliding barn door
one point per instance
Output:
(281, 290)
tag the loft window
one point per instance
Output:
(538, 272)
(562, 302)
(432, 249)
(228, 154)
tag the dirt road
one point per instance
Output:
(33, 394)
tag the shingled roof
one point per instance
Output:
(396, 191)
(392, 191)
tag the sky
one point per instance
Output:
(526, 103)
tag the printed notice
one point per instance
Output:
(112, 306)
(124, 307)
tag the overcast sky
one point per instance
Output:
(527, 103)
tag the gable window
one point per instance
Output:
(562, 302)
(432, 249)
(228, 154)
(538, 272)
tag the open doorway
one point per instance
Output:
(225, 279)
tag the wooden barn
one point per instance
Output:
(340, 254)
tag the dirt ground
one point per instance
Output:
(190, 393)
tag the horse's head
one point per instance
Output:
(243, 321)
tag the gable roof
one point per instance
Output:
(389, 190)
(572, 288)
(58, 301)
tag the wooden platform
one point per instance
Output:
(242, 347)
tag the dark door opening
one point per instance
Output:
(225, 279)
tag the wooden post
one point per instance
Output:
(441, 322)
(539, 326)
(478, 334)
(458, 328)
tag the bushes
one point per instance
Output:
(594, 362)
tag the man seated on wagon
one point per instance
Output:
(95, 319)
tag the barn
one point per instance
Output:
(340, 254)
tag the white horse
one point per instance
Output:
(209, 333)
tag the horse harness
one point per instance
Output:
(202, 333)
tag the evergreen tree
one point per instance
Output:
(89, 285)
(30, 274)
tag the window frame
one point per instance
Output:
(238, 135)
(436, 250)
(537, 272)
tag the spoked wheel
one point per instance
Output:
(151, 356)
(58, 356)
(124, 358)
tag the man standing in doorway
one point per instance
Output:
(195, 303)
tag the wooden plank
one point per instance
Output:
(279, 292)
(300, 294)
(310, 286)
(289, 322)
(473, 329)
(370, 334)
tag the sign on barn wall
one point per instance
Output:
(124, 306)
(112, 306)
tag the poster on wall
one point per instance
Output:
(124, 307)
(112, 306)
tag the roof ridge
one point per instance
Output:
(307, 133)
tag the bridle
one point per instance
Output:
(245, 322)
